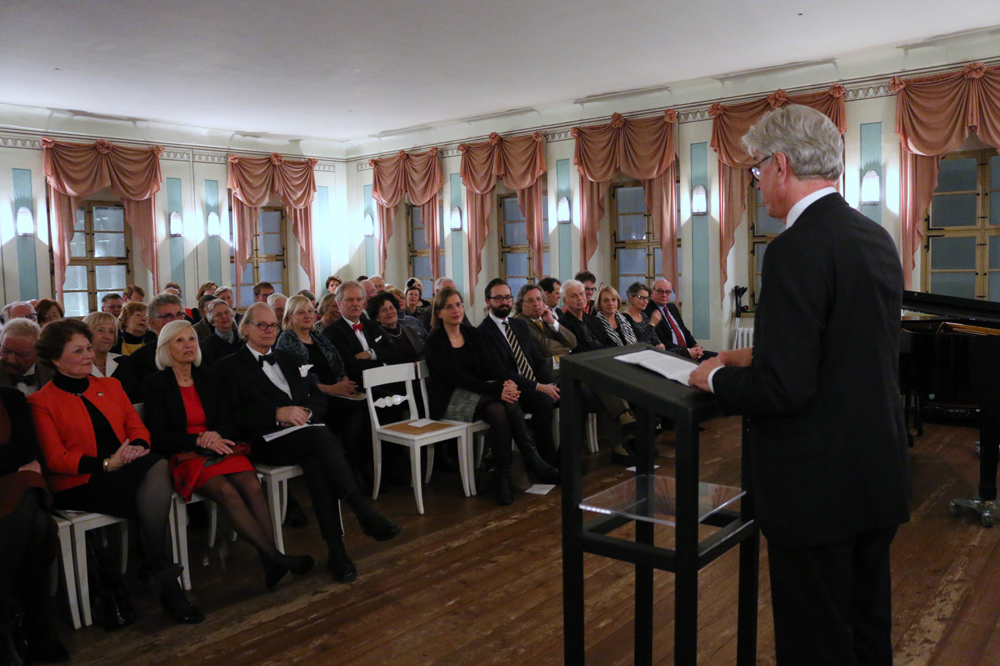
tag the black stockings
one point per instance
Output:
(24, 560)
(152, 504)
(495, 413)
(242, 501)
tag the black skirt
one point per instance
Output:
(112, 493)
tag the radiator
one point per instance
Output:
(744, 338)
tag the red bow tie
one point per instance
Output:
(356, 327)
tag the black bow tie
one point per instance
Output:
(28, 380)
(266, 358)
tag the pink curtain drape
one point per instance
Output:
(730, 122)
(519, 161)
(643, 148)
(76, 170)
(934, 115)
(253, 181)
(416, 176)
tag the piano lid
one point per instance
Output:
(951, 306)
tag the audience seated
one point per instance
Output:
(96, 454)
(223, 340)
(615, 326)
(112, 304)
(48, 310)
(207, 289)
(361, 342)
(415, 303)
(134, 293)
(550, 287)
(439, 284)
(26, 541)
(521, 363)
(134, 325)
(332, 283)
(104, 329)
(19, 310)
(202, 327)
(328, 311)
(226, 294)
(18, 360)
(670, 328)
(133, 369)
(378, 283)
(404, 319)
(267, 392)
(189, 423)
(589, 282)
(262, 291)
(277, 302)
(383, 308)
(551, 339)
(642, 324)
(467, 383)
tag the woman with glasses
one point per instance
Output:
(642, 325)
(48, 310)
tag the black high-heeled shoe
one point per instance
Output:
(176, 605)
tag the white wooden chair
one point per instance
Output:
(81, 523)
(275, 481)
(65, 531)
(180, 540)
(404, 434)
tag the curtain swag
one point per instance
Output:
(254, 181)
(76, 170)
(520, 162)
(729, 123)
(416, 176)
(934, 116)
(643, 148)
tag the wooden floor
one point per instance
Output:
(473, 583)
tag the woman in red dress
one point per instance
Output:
(188, 421)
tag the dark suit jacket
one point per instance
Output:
(166, 418)
(21, 448)
(203, 328)
(589, 332)
(548, 341)
(253, 399)
(501, 349)
(133, 369)
(214, 348)
(43, 375)
(666, 333)
(448, 371)
(343, 338)
(827, 442)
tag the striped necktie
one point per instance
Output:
(522, 362)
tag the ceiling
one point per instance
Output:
(347, 70)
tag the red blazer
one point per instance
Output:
(66, 434)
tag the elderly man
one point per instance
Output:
(133, 369)
(820, 389)
(19, 310)
(267, 394)
(277, 302)
(112, 304)
(378, 282)
(361, 342)
(549, 337)
(18, 362)
(670, 328)
(370, 290)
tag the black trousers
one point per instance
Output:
(832, 603)
(539, 406)
(327, 474)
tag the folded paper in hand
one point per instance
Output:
(284, 431)
(667, 365)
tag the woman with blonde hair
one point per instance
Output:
(104, 326)
(615, 326)
(189, 423)
(132, 324)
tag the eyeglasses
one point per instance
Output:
(755, 169)
(641, 298)
(264, 326)
(502, 299)
(665, 292)
(171, 317)
(17, 354)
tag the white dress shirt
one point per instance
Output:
(360, 335)
(272, 371)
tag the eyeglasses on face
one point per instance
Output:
(265, 326)
(502, 299)
(665, 292)
(171, 316)
(755, 169)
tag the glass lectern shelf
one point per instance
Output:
(653, 499)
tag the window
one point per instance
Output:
(516, 257)
(636, 254)
(266, 262)
(763, 229)
(420, 253)
(962, 245)
(100, 257)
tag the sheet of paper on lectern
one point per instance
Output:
(667, 365)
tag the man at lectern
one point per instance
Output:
(821, 391)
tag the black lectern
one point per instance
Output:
(648, 500)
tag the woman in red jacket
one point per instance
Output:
(96, 453)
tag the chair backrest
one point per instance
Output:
(140, 409)
(390, 374)
(422, 374)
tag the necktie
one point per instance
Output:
(266, 358)
(541, 326)
(27, 380)
(357, 327)
(523, 368)
(681, 340)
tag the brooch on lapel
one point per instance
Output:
(100, 395)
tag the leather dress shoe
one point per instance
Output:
(379, 527)
(505, 494)
(294, 515)
(340, 565)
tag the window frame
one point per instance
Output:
(413, 254)
(754, 240)
(90, 261)
(505, 249)
(256, 257)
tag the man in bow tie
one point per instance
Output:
(360, 341)
(18, 366)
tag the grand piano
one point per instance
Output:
(950, 366)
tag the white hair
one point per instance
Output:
(809, 139)
(168, 333)
(275, 297)
(567, 285)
